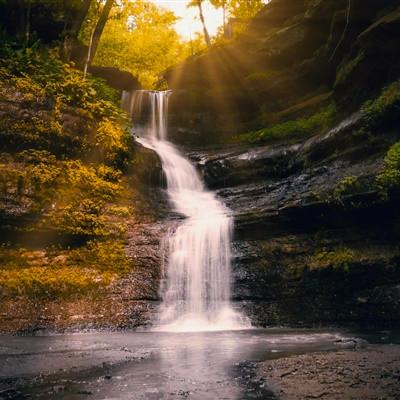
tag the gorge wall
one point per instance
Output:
(313, 87)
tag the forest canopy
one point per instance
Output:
(133, 35)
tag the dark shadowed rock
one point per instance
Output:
(121, 80)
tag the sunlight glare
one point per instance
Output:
(189, 24)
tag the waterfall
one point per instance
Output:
(197, 292)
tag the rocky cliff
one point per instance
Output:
(302, 115)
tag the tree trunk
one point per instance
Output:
(206, 34)
(101, 23)
(224, 16)
(27, 32)
(72, 30)
(19, 12)
(79, 18)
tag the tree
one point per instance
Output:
(244, 8)
(239, 12)
(42, 19)
(221, 4)
(141, 38)
(198, 4)
(98, 30)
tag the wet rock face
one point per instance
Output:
(305, 254)
(147, 167)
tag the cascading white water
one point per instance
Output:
(198, 281)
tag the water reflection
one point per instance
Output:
(152, 365)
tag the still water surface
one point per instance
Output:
(151, 365)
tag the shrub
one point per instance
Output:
(110, 139)
(91, 182)
(84, 218)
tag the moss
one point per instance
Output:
(384, 110)
(338, 258)
(347, 185)
(389, 179)
(294, 129)
(346, 70)
(260, 77)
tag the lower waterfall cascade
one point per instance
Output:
(197, 292)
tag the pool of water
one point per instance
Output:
(151, 365)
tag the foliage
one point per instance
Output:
(83, 218)
(65, 112)
(294, 129)
(238, 13)
(89, 182)
(389, 179)
(104, 256)
(140, 38)
(78, 205)
(39, 71)
(36, 76)
(110, 139)
(244, 8)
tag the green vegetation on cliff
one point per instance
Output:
(389, 179)
(296, 129)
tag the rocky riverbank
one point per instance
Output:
(369, 373)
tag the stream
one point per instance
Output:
(151, 365)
